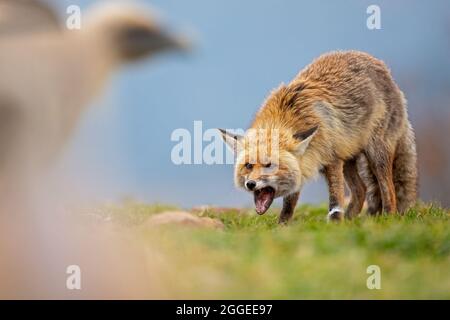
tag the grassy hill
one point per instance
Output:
(255, 258)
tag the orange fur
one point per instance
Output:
(358, 110)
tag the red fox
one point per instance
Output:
(342, 116)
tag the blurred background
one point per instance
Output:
(243, 49)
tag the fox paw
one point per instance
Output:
(336, 214)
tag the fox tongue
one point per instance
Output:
(263, 199)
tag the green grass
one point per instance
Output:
(255, 258)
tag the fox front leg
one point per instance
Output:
(334, 175)
(289, 203)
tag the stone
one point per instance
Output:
(182, 218)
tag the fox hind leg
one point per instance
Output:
(380, 160)
(356, 186)
(373, 196)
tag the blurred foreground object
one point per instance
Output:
(49, 73)
(26, 16)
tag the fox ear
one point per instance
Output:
(232, 140)
(304, 138)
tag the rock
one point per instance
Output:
(201, 210)
(181, 218)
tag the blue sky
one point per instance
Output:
(243, 50)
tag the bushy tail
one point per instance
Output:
(405, 171)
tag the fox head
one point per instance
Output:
(268, 162)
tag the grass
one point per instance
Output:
(255, 258)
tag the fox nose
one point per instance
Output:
(250, 184)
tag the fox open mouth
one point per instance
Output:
(263, 199)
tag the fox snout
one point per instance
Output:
(250, 185)
(253, 184)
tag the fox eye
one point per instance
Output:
(249, 166)
(268, 165)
